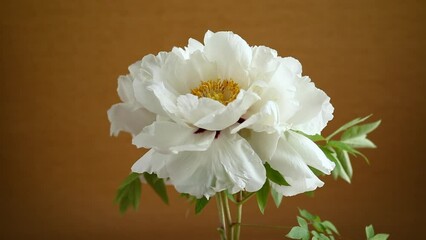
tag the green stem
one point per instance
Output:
(227, 216)
(237, 226)
(221, 230)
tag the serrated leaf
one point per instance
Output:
(360, 142)
(338, 170)
(275, 176)
(302, 222)
(277, 197)
(318, 226)
(298, 233)
(369, 231)
(315, 138)
(348, 125)
(361, 130)
(330, 225)
(343, 158)
(129, 193)
(230, 197)
(158, 185)
(307, 215)
(380, 236)
(262, 197)
(200, 204)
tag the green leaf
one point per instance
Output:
(158, 185)
(230, 197)
(361, 130)
(262, 197)
(330, 225)
(302, 222)
(298, 233)
(348, 125)
(360, 142)
(304, 213)
(369, 231)
(129, 193)
(380, 236)
(315, 138)
(338, 171)
(200, 204)
(275, 176)
(318, 226)
(277, 197)
(345, 161)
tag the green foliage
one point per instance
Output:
(354, 136)
(200, 204)
(262, 196)
(322, 230)
(369, 232)
(129, 193)
(277, 197)
(158, 185)
(275, 176)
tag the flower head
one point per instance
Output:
(212, 114)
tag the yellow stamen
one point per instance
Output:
(224, 91)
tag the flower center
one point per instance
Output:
(224, 91)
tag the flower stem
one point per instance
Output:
(237, 225)
(227, 216)
(221, 229)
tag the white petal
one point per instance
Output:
(126, 117)
(232, 55)
(146, 97)
(291, 165)
(125, 89)
(228, 115)
(152, 162)
(310, 152)
(292, 64)
(169, 137)
(315, 108)
(264, 144)
(230, 163)
(266, 120)
(264, 62)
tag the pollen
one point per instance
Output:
(223, 91)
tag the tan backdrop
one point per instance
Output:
(59, 64)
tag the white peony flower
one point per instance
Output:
(213, 114)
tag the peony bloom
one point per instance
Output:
(212, 114)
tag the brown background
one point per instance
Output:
(59, 64)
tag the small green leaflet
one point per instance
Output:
(360, 130)
(262, 197)
(275, 176)
(298, 233)
(277, 197)
(129, 193)
(369, 232)
(158, 185)
(348, 125)
(200, 204)
(323, 230)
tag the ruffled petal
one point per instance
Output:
(152, 162)
(169, 137)
(231, 54)
(296, 172)
(227, 115)
(126, 117)
(292, 64)
(310, 152)
(230, 163)
(264, 144)
(315, 108)
(125, 89)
